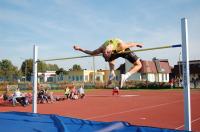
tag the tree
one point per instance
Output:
(8, 72)
(52, 67)
(42, 66)
(27, 68)
(61, 71)
(76, 67)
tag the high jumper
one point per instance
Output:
(113, 49)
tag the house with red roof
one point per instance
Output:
(155, 70)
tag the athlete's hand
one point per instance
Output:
(140, 45)
(76, 47)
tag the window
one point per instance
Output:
(81, 78)
(86, 77)
(166, 77)
(50, 79)
(98, 78)
(144, 76)
(61, 78)
(77, 78)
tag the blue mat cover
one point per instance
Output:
(29, 122)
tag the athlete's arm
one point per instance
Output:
(124, 46)
(94, 52)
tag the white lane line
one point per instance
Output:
(129, 95)
(191, 122)
(125, 95)
(134, 109)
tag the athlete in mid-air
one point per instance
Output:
(113, 49)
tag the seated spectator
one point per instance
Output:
(29, 97)
(18, 97)
(50, 96)
(81, 92)
(73, 92)
(67, 92)
(23, 100)
(42, 96)
(75, 97)
(7, 96)
(59, 98)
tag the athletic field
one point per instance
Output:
(157, 108)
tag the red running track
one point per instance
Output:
(157, 108)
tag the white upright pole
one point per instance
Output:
(35, 55)
(94, 74)
(186, 74)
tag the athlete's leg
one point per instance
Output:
(131, 57)
(137, 65)
(112, 65)
(112, 71)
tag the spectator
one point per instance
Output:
(52, 98)
(24, 101)
(29, 97)
(20, 98)
(7, 96)
(81, 92)
(42, 96)
(49, 96)
(16, 96)
(73, 94)
(67, 92)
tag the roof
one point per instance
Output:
(194, 67)
(165, 66)
(148, 67)
(155, 66)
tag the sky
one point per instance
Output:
(56, 25)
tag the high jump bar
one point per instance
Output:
(139, 50)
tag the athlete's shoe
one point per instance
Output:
(123, 79)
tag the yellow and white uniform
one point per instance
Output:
(118, 52)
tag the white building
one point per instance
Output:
(48, 76)
(152, 71)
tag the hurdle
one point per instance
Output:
(185, 63)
